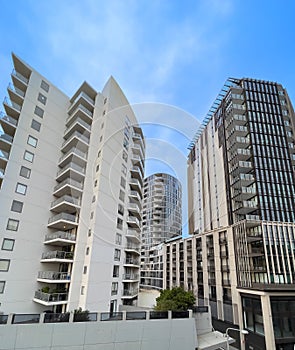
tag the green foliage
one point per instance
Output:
(81, 315)
(175, 299)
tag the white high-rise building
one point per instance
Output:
(71, 174)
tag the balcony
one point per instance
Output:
(244, 180)
(11, 108)
(76, 138)
(5, 142)
(71, 170)
(137, 172)
(8, 123)
(133, 235)
(16, 94)
(49, 299)
(57, 256)
(79, 111)
(75, 154)
(53, 277)
(4, 156)
(132, 262)
(132, 248)
(129, 293)
(135, 184)
(66, 204)
(255, 252)
(133, 222)
(137, 149)
(60, 238)
(130, 277)
(252, 217)
(63, 221)
(21, 78)
(135, 195)
(245, 207)
(135, 209)
(68, 186)
(79, 125)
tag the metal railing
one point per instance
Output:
(6, 137)
(131, 261)
(20, 76)
(81, 121)
(58, 254)
(74, 150)
(83, 108)
(64, 217)
(56, 318)
(71, 166)
(12, 104)
(25, 318)
(129, 276)
(53, 275)
(16, 90)
(51, 297)
(79, 136)
(66, 198)
(4, 154)
(60, 235)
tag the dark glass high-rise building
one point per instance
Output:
(241, 177)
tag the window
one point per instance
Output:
(35, 125)
(17, 206)
(87, 251)
(105, 101)
(93, 199)
(99, 153)
(29, 156)
(122, 195)
(123, 182)
(12, 225)
(114, 288)
(125, 156)
(91, 215)
(100, 139)
(4, 265)
(102, 125)
(119, 223)
(7, 244)
(97, 168)
(85, 270)
(116, 271)
(44, 86)
(2, 286)
(82, 290)
(39, 112)
(125, 143)
(124, 169)
(89, 233)
(117, 255)
(120, 209)
(25, 172)
(42, 98)
(21, 188)
(118, 238)
(32, 141)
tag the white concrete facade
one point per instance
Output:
(71, 181)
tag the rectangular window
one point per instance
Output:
(35, 125)
(120, 209)
(29, 156)
(123, 182)
(117, 255)
(39, 111)
(114, 288)
(87, 251)
(44, 86)
(119, 223)
(118, 238)
(85, 270)
(25, 172)
(4, 265)
(42, 98)
(125, 156)
(17, 206)
(2, 286)
(7, 244)
(116, 271)
(82, 290)
(122, 195)
(32, 141)
(21, 188)
(12, 225)
(124, 169)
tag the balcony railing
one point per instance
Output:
(80, 121)
(4, 155)
(12, 104)
(56, 254)
(132, 247)
(8, 119)
(66, 198)
(51, 297)
(20, 76)
(74, 150)
(70, 182)
(63, 217)
(129, 276)
(53, 275)
(60, 235)
(79, 136)
(6, 137)
(72, 165)
(83, 108)
(131, 261)
(130, 292)
(16, 90)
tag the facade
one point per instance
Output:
(241, 175)
(161, 212)
(71, 174)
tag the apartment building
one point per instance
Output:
(71, 171)
(241, 176)
(162, 213)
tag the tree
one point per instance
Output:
(175, 299)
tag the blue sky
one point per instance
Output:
(171, 58)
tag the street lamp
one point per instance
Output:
(242, 331)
